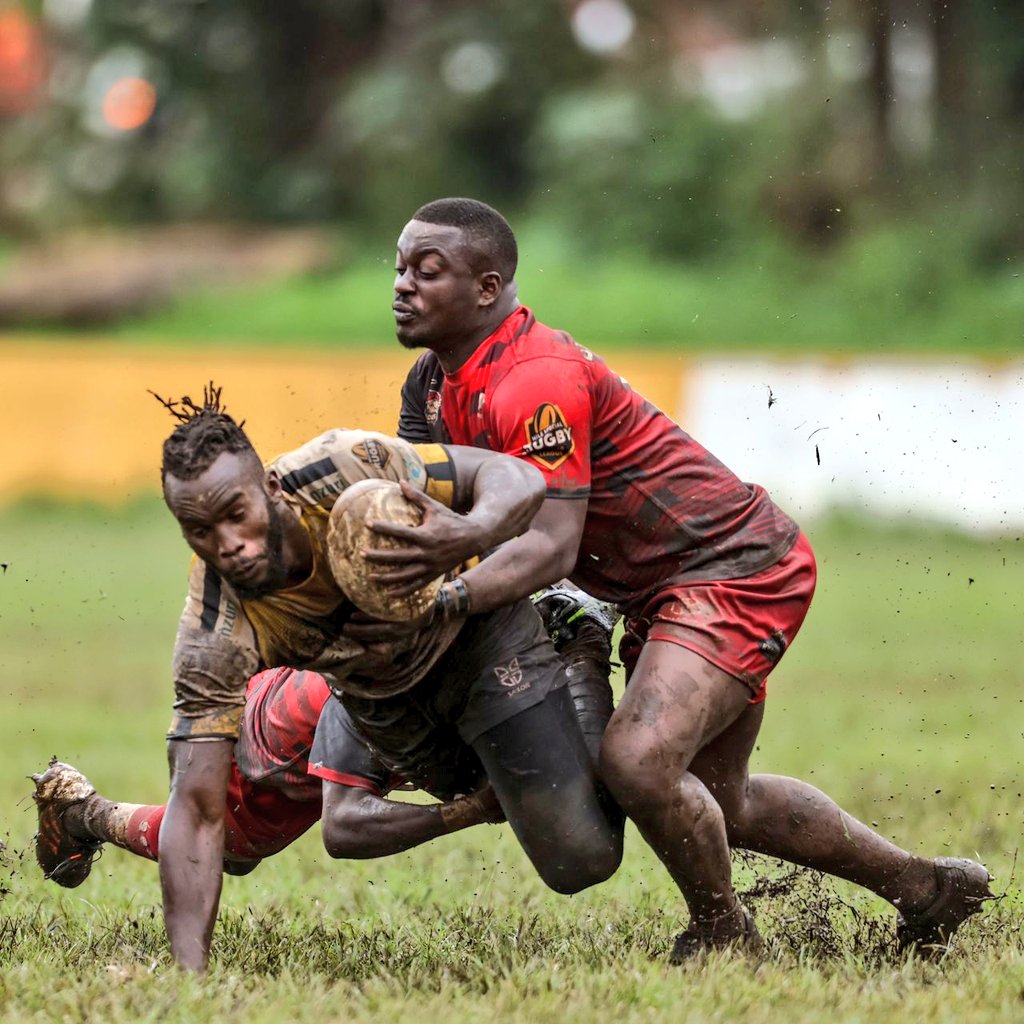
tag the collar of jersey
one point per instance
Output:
(502, 335)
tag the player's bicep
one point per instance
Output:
(516, 477)
(557, 529)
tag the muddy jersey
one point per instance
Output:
(662, 510)
(223, 640)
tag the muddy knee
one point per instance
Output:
(635, 772)
(570, 840)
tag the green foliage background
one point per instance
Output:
(812, 221)
(897, 289)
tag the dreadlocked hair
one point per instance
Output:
(204, 432)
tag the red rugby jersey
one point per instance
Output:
(662, 509)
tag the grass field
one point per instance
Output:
(904, 698)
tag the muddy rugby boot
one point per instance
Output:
(963, 889)
(703, 937)
(63, 858)
(563, 608)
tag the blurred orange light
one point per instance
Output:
(22, 61)
(16, 37)
(129, 104)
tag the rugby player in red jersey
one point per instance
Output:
(284, 774)
(713, 579)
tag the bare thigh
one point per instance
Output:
(675, 705)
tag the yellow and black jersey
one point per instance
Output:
(223, 640)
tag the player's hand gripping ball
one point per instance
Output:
(348, 535)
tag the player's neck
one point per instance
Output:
(454, 353)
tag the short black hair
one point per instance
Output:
(204, 433)
(488, 231)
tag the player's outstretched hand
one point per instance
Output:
(442, 541)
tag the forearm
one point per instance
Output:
(377, 827)
(544, 553)
(516, 569)
(191, 855)
(506, 496)
(192, 847)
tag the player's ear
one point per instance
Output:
(490, 285)
(272, 483)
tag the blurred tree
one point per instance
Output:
(879, 22)
(680, 129)
(313, 110)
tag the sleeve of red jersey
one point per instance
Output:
(541, 411)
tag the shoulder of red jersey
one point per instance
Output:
(537, 340)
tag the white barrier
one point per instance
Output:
(919, 440)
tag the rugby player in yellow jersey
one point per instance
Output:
(261, 595)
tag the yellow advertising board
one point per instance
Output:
(77, 421)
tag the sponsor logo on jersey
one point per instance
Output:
(432, 407)
(372, 452)
(549, 439)
(229, 612)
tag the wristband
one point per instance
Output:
(458, 586)
(452, 600)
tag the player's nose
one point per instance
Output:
(230, 544)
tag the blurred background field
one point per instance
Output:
(825, 175)
(796, 227)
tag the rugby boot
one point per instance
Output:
(703, 937)
(563, 608)
(962, 891)
(64, 859)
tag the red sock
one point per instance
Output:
(142, 831)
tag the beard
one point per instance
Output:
(276, 575)
(409, 342)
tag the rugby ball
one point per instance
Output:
(348, 536)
